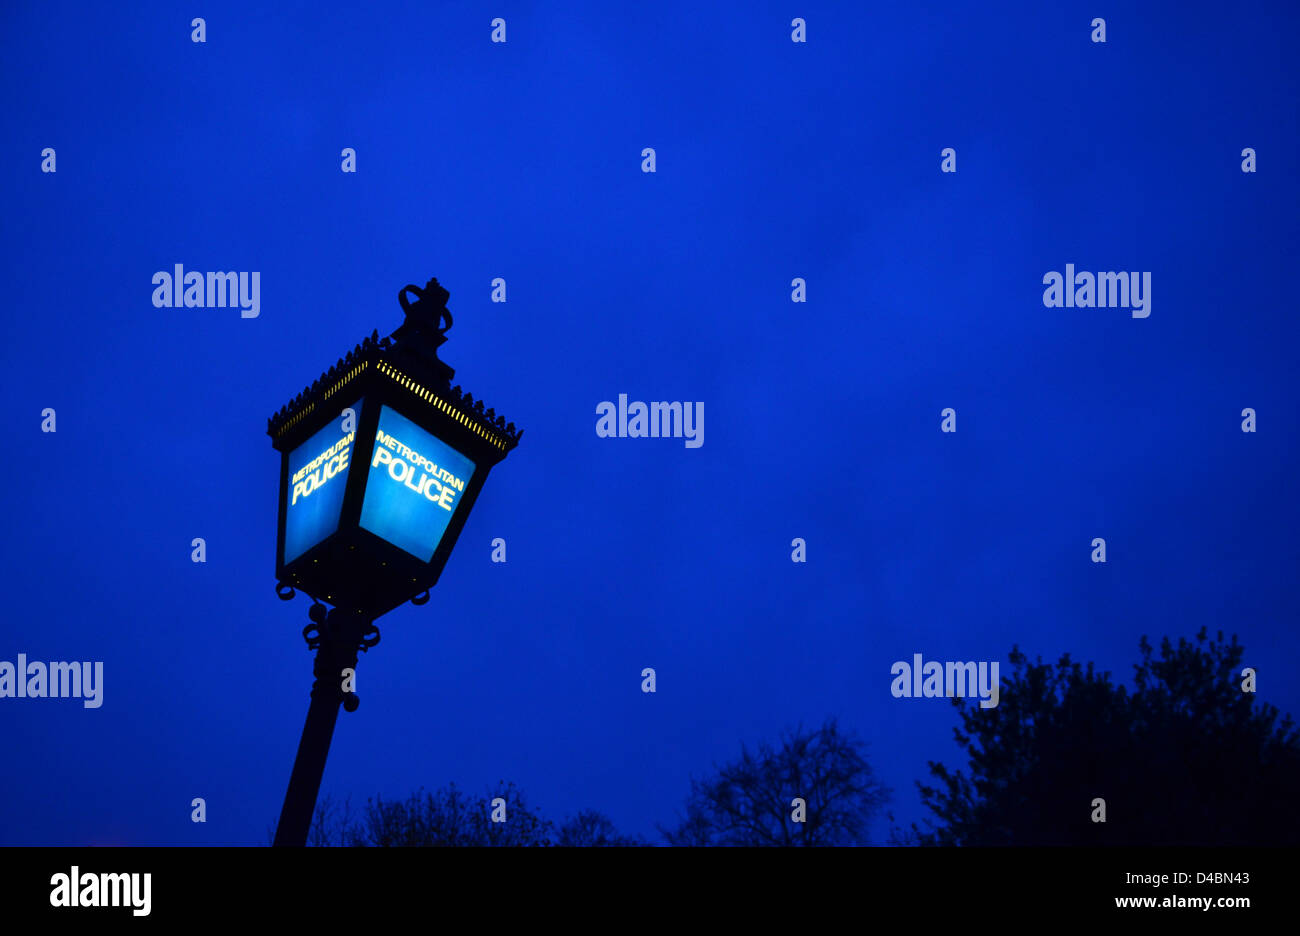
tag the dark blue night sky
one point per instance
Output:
(522, 160)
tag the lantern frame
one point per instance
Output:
(354, 567)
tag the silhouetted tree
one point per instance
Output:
(592, 829)
(749, 801)
(443, 818)
(1185, 757)
(449, 818)
(332, 824)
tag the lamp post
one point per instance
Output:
(381, 462)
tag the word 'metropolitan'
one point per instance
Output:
(433, 476)
(224, 291)
(1105, 290)
(636, 420)
(915, 681)
(35, 680)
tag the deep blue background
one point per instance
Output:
(522, 160)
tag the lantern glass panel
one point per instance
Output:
(413, 487)
(318, 473)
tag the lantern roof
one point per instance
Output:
(409, 357)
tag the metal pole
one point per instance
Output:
(339, 636)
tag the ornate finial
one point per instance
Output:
(430, 309)
(424, 330)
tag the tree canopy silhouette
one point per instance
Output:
(750, 800)
(591, 829)
(449, 818)
(1185, 757)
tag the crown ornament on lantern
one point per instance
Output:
(425, 316)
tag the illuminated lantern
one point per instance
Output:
(381, 462)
